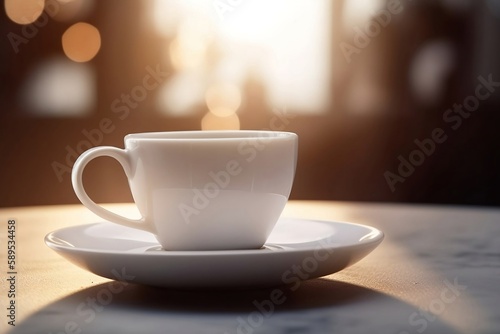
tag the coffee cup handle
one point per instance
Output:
(76, 178)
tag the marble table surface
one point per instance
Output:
(437, 271)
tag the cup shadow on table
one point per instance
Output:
(316, 306)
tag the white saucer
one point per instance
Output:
(296, 250)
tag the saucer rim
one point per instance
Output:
(376, 238)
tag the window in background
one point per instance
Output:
(219, 48)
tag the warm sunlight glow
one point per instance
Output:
(181, 94)
(284, 43)
(81, 42)
(166, 15)
(186, 54)
(188, 50)
(358, 12)
(279, 46)
(24, 11)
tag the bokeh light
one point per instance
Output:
(24, 11)
(81, 42)
(186, 53)
(213, 122)
(181, 94)
(188, 50)
(59, 87)
(430, 69)
(223, 99)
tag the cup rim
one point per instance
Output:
(209, 135)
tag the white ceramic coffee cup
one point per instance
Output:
(202, 190)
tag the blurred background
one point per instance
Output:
(393, 100)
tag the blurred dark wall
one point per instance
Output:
(344, 154)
